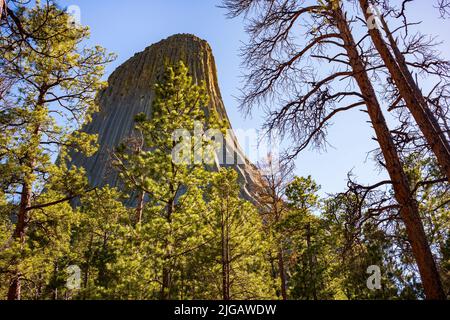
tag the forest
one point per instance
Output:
(177, 230)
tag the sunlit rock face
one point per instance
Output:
(130, 91)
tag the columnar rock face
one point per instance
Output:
(130, 91)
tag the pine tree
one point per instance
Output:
(274, 209)
(170, 182)
(55, 81)
(307, 242)
(236, 258)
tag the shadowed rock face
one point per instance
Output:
(130, 91)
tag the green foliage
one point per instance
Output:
(187, 233)
(47, 244)
(236, 246)
(308, 243)
(433, 195)
(445, 265)
(174, 248)
(95, 242)
(358, 242)
(54, 81)
(175, 211)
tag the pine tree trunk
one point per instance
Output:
(411, 93)
(228, 256)
(19, 234)
(408, 206)
(55, 277)
(224, 263)
(281, 270)
(310, 261)
(14, 287)
(165, 284)
(140, 207)
(225, 253)
(2, 7)
(166, 273)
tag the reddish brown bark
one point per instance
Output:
(411, 93)
(167, 269)
(140, 206)
(14, 290)
(408, 206)
(2, 5)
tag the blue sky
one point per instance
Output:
(127, 27)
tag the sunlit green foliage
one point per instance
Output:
(54, 83)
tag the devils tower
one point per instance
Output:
(130, 92)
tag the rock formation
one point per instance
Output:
(130, 91)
